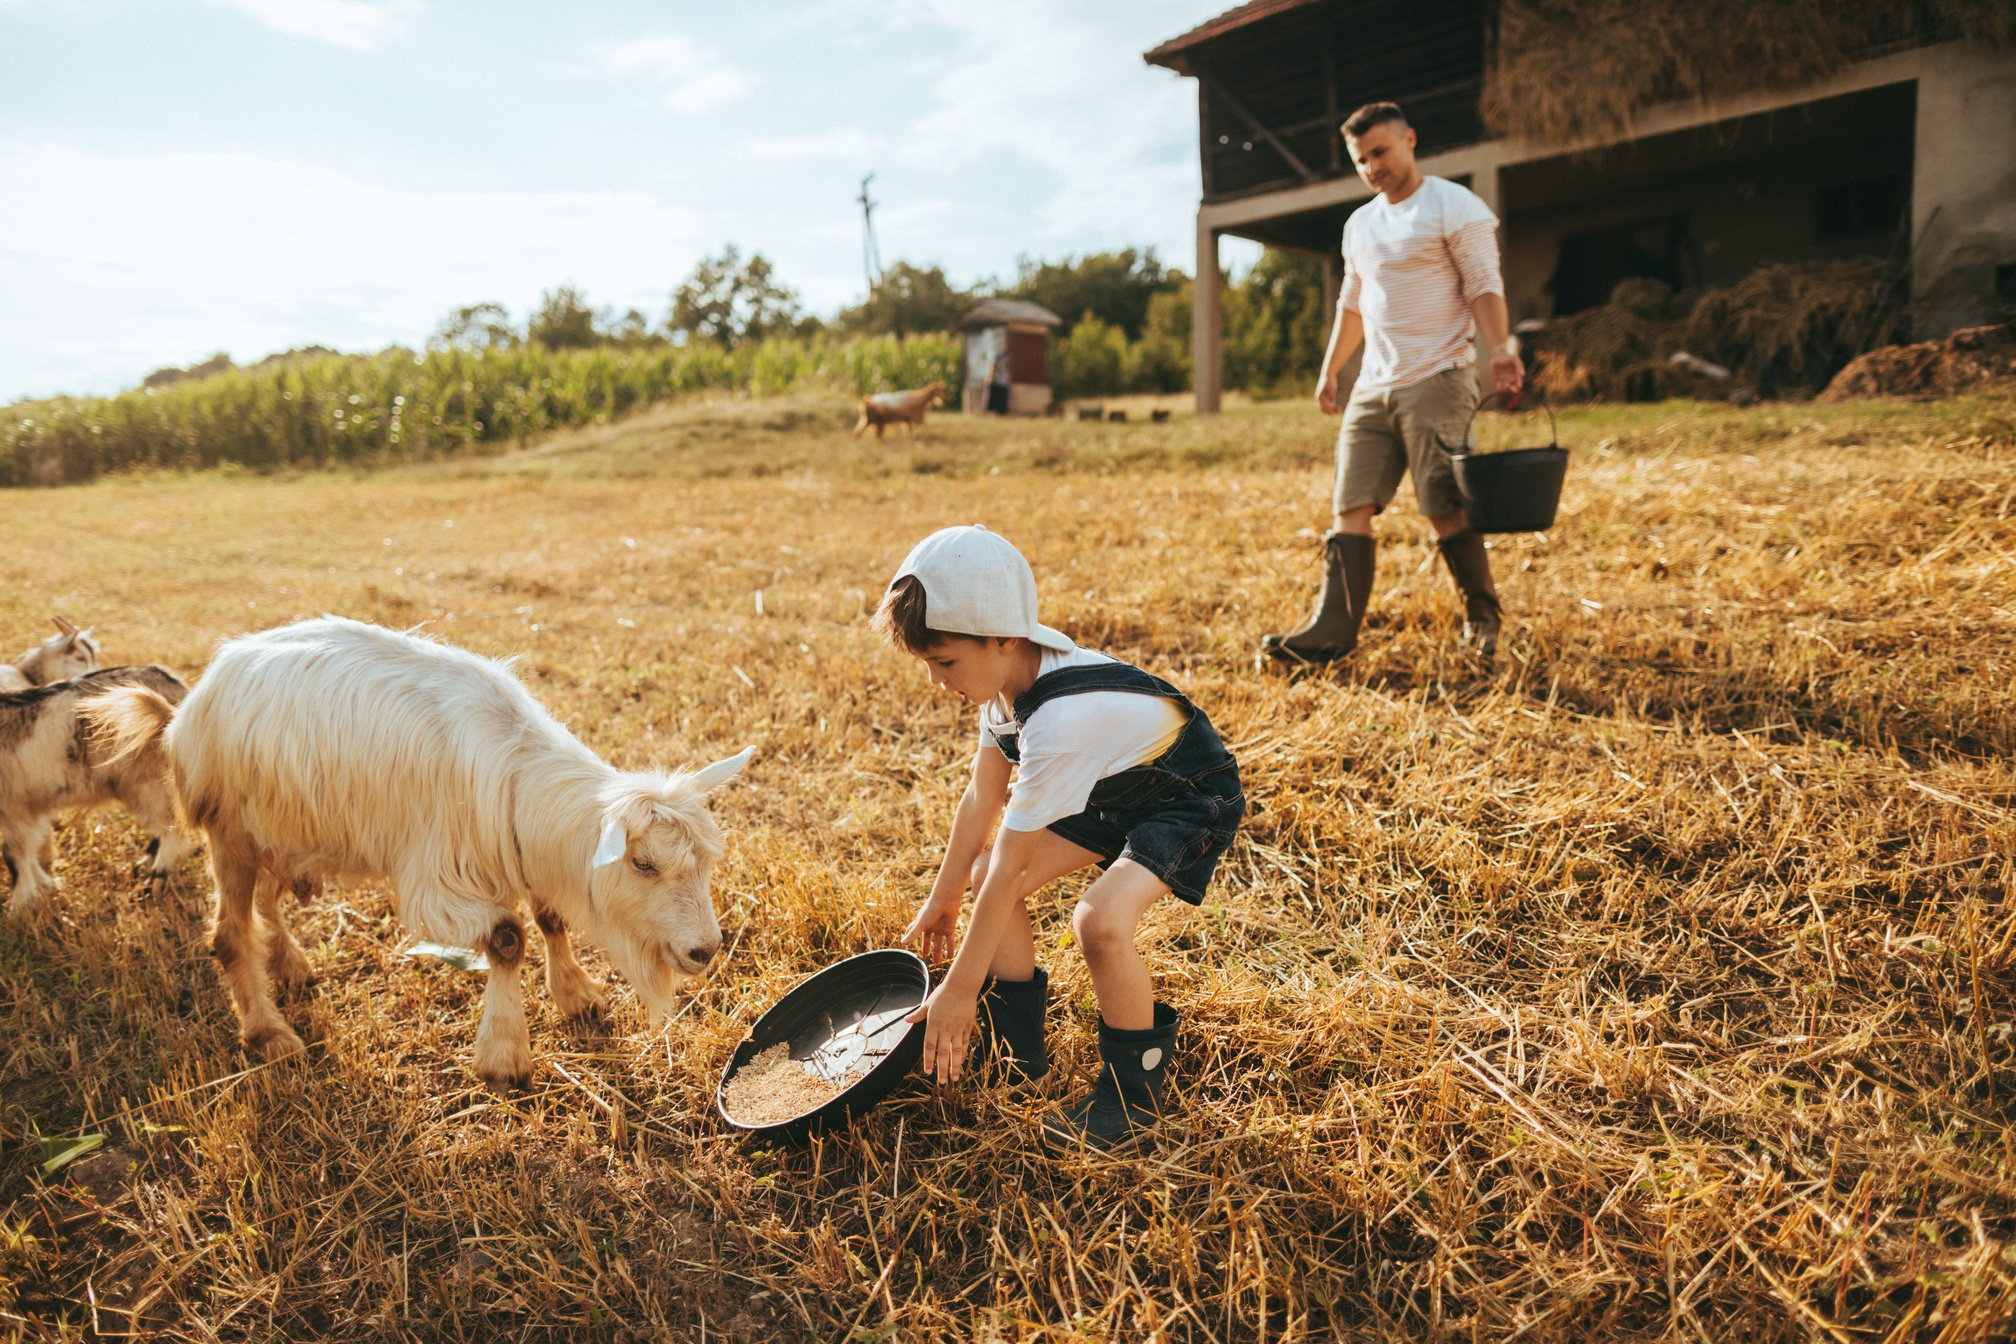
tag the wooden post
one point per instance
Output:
(1333, 288)
(1207, 336)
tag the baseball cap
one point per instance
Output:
(976, 583)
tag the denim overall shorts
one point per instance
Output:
(1176, 815)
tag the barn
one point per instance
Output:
(1689, 141)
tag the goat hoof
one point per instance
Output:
(588, 1002)
(505, 1083)
(504, 1066)
(274, 1043)
(291, 976)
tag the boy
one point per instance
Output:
(1114, 768)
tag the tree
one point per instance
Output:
(480, 326)
(728, 301)
(1115, 287)
(217, 363)
(632, 329)
(1275, 324)
(563, 321)
(1162, 355)
(907, 300)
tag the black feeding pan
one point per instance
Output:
(849, 1012)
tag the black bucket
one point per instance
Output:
(1517, 490)
(876, 989)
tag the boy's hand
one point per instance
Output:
(936, 929)
(948, 1013)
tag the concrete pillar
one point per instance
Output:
(1207, 322)
(1484, 182)
(1963, 165)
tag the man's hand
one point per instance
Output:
(1508, 373)
(1326, 396)
(936, 928)
(948, 1016)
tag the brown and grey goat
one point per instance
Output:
(49, 762)
(68, 653)
(333, 749)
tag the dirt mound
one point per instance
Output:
(1967, 358)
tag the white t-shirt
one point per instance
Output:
(1071, 743)
(1412, 271)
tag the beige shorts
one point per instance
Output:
(1389, 430)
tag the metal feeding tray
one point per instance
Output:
(834, 1021)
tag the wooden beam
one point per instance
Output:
(1204, 145)
(1207, 321)
(1331, 116)
(1224, 95)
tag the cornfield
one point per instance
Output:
(374, 410)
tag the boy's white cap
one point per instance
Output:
(976, 583)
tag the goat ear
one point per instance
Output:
(719, 773)
(611, 845)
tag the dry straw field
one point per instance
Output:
(1653, 983)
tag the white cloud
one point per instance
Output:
(688, 77)
(1040, 86)
(251, 255)
(1056, 84)
(361, 25)
(844, 145)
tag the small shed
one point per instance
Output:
(1007, 357)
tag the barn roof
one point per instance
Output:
(999, 312)
(1275, 78)
(1175, 53)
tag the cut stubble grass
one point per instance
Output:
(1654, 982)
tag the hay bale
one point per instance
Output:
(1591, 355)
(1566, 70)
(1790, 328)
(1968, 358)
(1643, 296)
(1782, 330)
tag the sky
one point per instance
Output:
(182, 177)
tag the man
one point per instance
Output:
(1421, 280)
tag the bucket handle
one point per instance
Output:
(1462, 446)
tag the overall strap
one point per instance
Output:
(1114, 676)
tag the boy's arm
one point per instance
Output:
(952, 1007)
(937, 921)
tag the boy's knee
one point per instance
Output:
(1099, 931)
(978, 873)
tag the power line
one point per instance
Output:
(871, 254)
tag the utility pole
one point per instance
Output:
(871, 255)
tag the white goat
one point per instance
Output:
(333, 749)
(68, 653)
(48, 763)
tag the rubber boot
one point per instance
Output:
(1126, 1101)
(1470, 565)
(1011, 1027)
(1331, 633)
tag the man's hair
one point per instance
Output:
(901, 620)
(1372, 114)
